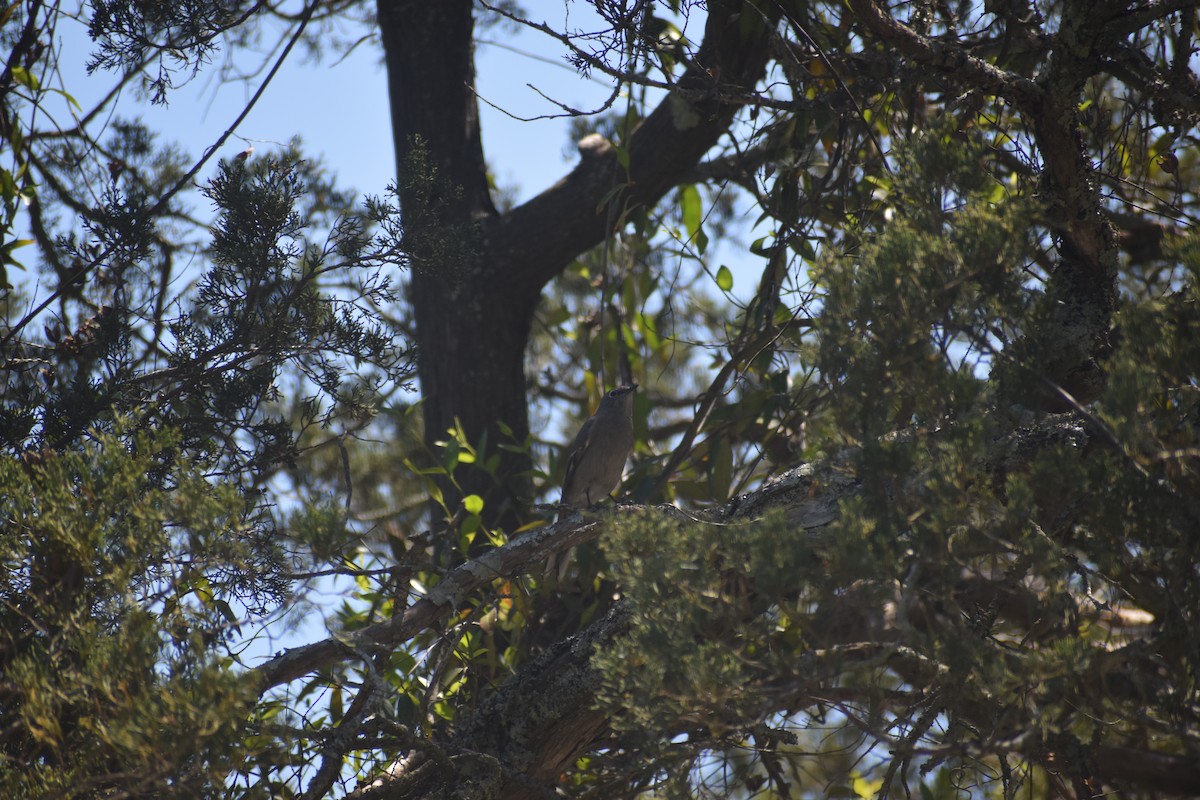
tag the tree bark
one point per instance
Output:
(473, 316)
(470, 332)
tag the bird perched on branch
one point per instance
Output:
(596, 458)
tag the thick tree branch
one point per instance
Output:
(946, 58)
(477, 276)
(532, 243)
(443, 599)
(1147, 770)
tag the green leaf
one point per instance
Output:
(7, 249)
(689, 209)
(867, 788)
(721, 476)
(68, 98)
(336, 709)
(226, 610)
(622, 155)
(25, 78)
(724, 278)
(649, 331)
(473, 503)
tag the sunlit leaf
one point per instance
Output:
(724, 278)
(690, 210)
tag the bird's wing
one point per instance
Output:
(577, 449)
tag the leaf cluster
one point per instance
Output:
(986, 594)
(173, 36)
(118, 588)
(913, 317)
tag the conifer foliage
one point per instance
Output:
(911, 295)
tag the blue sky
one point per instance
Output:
(340, 110)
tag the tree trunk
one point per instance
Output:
(478, 275)
(471, 331)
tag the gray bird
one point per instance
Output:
(596, 459)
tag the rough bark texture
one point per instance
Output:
(471, 329)
(473, 319)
